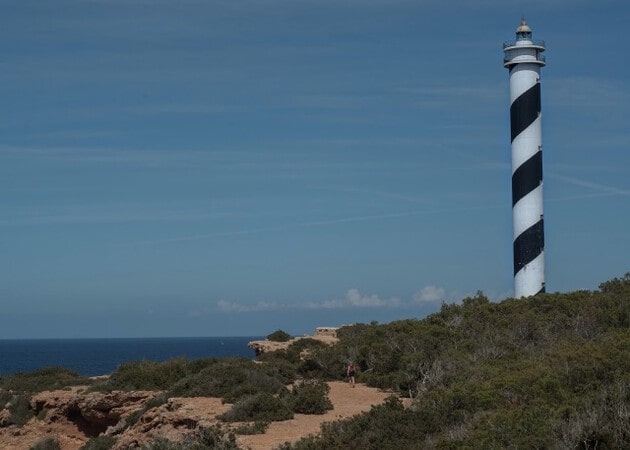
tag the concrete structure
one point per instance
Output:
(523, 58)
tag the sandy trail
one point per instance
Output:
(347, 402)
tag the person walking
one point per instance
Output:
(350, 373)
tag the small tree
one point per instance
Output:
(310, 397)
(279, 336)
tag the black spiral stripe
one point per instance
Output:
(528, 245)
(527, 177)
(524, 110)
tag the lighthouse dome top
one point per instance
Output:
(523, 28)
(523, 32)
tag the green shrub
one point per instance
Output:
(215, 437)
(161, 443)
(279, 336)
(133, 418)
(5, 397)
(100, 443)
(212, 438)
(20, 410)
(148, 375)
(46, 444)
(46, 379)
(280, 369)
(259, 407)
(258, 427)
(156, 401)
(310, 397)
(231, 379)
(152, 375)
(41, 415)
(387, 426)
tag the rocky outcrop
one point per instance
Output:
(96, 412)
(74, 417)
(174, 420)
(327, 335)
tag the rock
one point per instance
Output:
(116, 429)
(328, 335)
(4, 417)
(107, 408)
(174, 420)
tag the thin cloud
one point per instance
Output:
(601, 188)
(92, 155)
(430, 294)
(107, 214)
(320, 223)
(354, 299)
(584, 91)
(232, 306)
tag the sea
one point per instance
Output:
(92, 357)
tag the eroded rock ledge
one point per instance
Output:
(74, 416)
(328, 335)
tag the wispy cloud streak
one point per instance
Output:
(328, 222)
(602, 188)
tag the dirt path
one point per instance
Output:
(347, 402)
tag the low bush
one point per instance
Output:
(46, 379)
(148, 375)
(100, 443)
(20, 410)
(156, 401)
(258, 427)
(259, 407)
(41, 415)
(232, 379)
(5, 397)
(46, 444)
(133, 418)
(385, 426)
(280, 369)
(310, 397)
(153, 375)
(216, 437)
(212, 438)
(162, 443)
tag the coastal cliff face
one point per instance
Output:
(73, 418)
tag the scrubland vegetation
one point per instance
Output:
(551, 371)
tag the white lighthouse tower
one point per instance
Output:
(523, 59)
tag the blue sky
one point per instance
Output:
(209, 168)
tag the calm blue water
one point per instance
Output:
(103, 356)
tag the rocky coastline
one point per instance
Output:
(75, 415)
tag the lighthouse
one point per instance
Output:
(524, 59)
